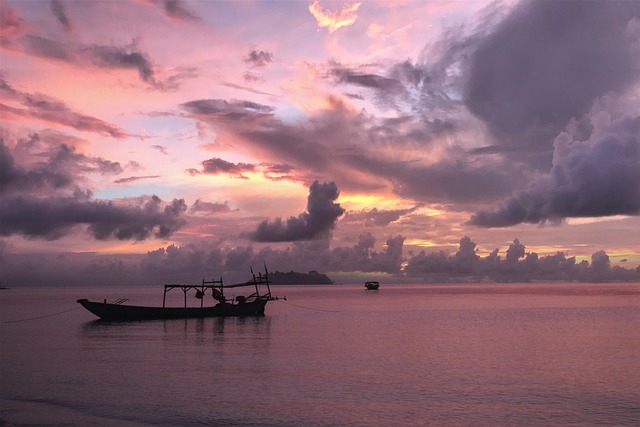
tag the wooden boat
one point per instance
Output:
(249, 305)
(372, 285)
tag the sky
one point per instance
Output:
(166, 140)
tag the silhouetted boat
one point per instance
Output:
(249, 305)
(372, 285)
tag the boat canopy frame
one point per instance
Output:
(217, 289)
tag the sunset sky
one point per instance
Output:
(167, 140)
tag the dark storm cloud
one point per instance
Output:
(175, 10)
(258, 58)
(46, 108)
(53, 217)
(316, 223)
(546, 63)
(61, 15)
(593, 178)
(217, 166)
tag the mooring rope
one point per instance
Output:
(309, 308)
(41, 317)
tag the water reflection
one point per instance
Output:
(199, 328)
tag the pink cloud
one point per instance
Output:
(334, 20)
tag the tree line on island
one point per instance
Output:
(295, 278)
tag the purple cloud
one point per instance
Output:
(217, 166)
(377, 218)
(207, 208)
(59, 12)
(105, 56)
(316, 223)
(221, 111)
(53, 217)
(589, 178)
(546, 63)
(258, 58)
(60, 168)
(175, 10)
(134, 178)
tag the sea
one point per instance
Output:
(535, 354)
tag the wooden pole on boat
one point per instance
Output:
(202, 292)
(266, 276)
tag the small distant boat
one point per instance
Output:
(372, 285)
(249, 305)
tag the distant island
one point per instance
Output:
(295, 278)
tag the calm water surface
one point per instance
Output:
(406, 355)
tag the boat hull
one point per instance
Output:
(107, 311)
(372, 286)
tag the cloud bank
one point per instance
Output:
(596, 177)
(518, 266)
